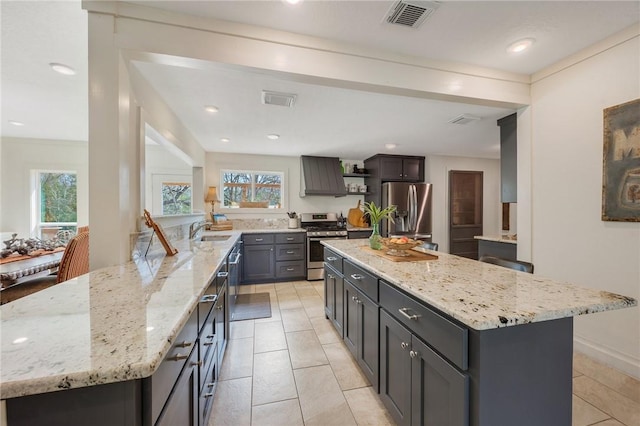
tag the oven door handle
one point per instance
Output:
(328, 238)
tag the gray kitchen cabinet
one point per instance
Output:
(276, 256)
(509, 158)
(182, 406)
(361, 330)
(417, 385)
(504, 250)
(334, 298)
(358, 234)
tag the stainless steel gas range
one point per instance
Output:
(319, 226)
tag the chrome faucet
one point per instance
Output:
(195, 227)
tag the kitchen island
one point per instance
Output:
(452, 341)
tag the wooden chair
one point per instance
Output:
(74, 262)
(430, 246)
(517, 265)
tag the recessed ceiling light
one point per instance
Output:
(390, 145)
(150, 328)
(292, 1)
(211, 108)
(16, 123)
(225, 140)
(273, 136)
(520, 45)
(62, 69)
(20, 340)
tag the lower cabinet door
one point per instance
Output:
(222, 325)
(338, 305)
(395, 369)
(350, 325)
(329, 296)
(182, 406)
(440, 393)
(368, 338)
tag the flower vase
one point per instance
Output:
(375, 240)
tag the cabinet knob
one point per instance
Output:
(404, 345)
(354, 298)
(330, 276)
(184, 344)
(413, 354)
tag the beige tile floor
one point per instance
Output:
(293, 369)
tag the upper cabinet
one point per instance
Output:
(509, 158)
(394, 168)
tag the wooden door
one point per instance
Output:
(465, 212)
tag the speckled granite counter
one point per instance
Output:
(481, 295)
(113, 324)
(496, 239)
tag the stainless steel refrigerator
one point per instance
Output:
(413, 215)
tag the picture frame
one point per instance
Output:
(621, 163)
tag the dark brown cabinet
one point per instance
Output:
(391, 168)
(465, 212)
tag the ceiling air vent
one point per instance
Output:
(464, 119)
(277, 98)
(410, 13)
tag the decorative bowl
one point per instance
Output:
(399, 248)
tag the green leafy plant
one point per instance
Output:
(376, 214)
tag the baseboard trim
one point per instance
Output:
(612, 358)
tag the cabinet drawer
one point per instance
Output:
(165, 377)
(207, 393)
(289, 252)
(361, 279)
(446, 337)
(254, 239)
(297, 237)
(333, 259)
(207, 346)
(291, 269)
(206, 303)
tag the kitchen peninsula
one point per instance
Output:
(454, 341)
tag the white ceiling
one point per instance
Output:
(325, 120)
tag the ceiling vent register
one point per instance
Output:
(410, 13)
(278, 98)
(464, 119)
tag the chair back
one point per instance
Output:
(75, 260)
(517, 265)
(430, 246)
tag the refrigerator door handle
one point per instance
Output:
(414, 225)
(409, 210)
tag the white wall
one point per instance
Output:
(437, 172)
(19, 157)
(569, 240)
(291, 167)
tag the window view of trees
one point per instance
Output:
(244, 186)
(176, 198)
(57, 202)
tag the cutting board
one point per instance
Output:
(356, 217)
(414, 256)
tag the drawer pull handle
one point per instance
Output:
(403, 311)
(184, 344)
(219, 307)
(208, 395)
(210, 385)
(413, 354)
(209, 298)
(330, 276)
(357, 277)
(197, 363)
(290, 238)
(179, 357)
(208, 344)
(290, 252)
(332, 259)
(223, 274)
(211, 336)
(259, 239)
(404, 345)
(290, 269)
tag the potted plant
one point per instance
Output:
(375, 215)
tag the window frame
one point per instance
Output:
(283, 192)
(174, 182)
(36, 202)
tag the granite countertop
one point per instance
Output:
(110, 325)
(481, 295)
(499, 239)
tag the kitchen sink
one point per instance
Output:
(215, 237)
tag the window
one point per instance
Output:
(176, 197)
(252, 189)
(55, 202)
